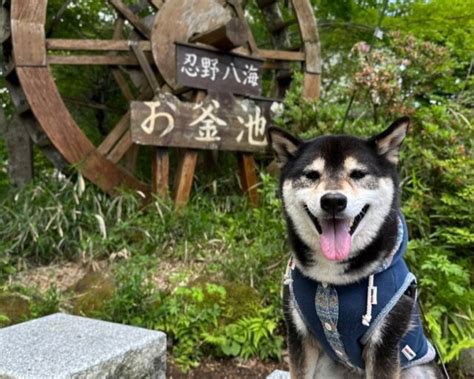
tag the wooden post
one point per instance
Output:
(160, 171)
(20, 151)
(184, 177)
(187, 166)
(248, 177)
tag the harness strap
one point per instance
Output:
(371, 300)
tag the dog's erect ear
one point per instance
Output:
(389, 141)
(283, 144)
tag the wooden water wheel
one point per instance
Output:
(141, 54)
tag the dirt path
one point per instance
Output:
(227, 369)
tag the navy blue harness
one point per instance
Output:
(334, 313)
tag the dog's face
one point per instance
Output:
(337, 191)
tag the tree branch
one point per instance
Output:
(57, 17)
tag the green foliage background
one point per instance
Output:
(422, 66)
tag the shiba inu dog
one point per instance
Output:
(349, 298)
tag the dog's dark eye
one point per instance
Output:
(358, 174)
(313, 175)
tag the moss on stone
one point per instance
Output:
(240, 300)
(92, 292)
(14, 308)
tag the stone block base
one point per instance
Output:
(64, 346)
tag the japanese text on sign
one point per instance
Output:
(222, 72)
(206, 125)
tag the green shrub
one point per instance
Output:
(437, 176)
(197, 326)
(46, 304)
(221, 319)
(248, 337)
(64, 218)
(438, 170)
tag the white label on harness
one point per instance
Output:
(373, 295)
(408, 353)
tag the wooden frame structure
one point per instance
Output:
(34, 54)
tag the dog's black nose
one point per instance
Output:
(333, 202)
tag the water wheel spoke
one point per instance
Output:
(282, 55)
(125, 11)
(63, 44)
(277, 26)
(276, 55)
(274, 65)
(126, 58)
(88, 60)
(57, 17)
(114, 136)
(118, 142)
(91, 104)
(118, 75)
(147, 69)
(107, 46)
(129, 160)
(157, 3)
(280, 25)
(241, 15)
(120, 128)
(121, 148)
(122, 83)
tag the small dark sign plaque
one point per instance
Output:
(218, 123)
(213, 70)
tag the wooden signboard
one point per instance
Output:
(198, 67)
(219, 122)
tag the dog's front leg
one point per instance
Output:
(382, 352)
(304, 354)
(302, 348)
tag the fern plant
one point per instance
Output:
(248, 337)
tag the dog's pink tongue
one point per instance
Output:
(335, 240)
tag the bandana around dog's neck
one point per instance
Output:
(343, 317)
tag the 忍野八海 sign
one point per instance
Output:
(217, 71)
